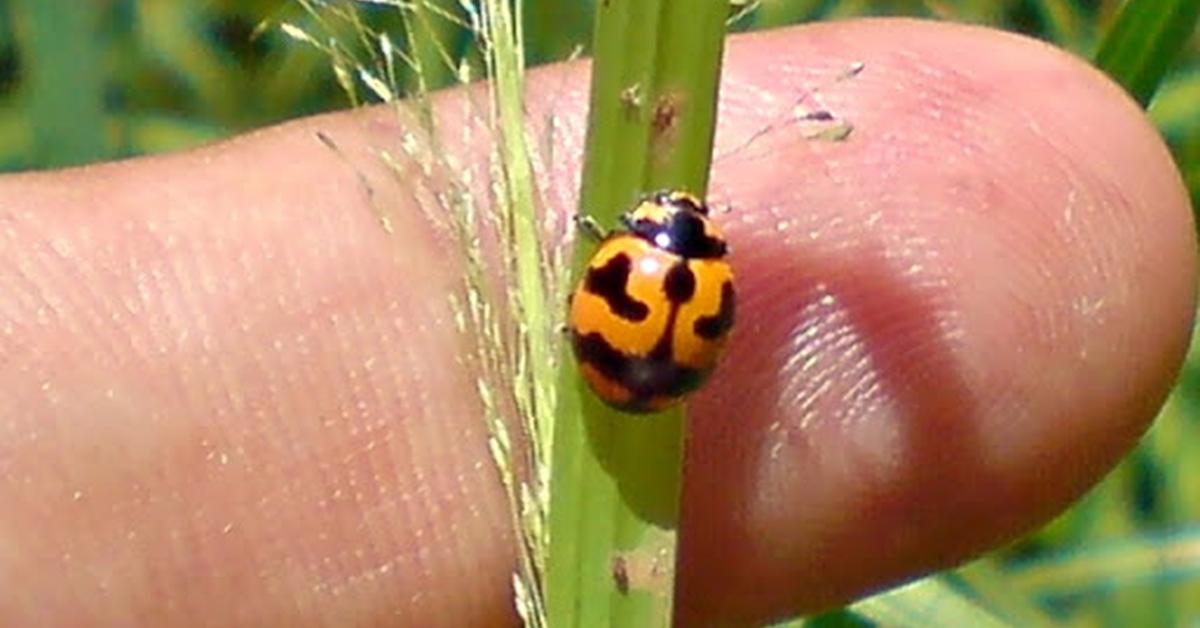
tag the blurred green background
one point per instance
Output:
(84, 81)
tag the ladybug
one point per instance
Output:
(649, 318)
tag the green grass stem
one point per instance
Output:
(616, 478)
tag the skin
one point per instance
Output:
(232, 399)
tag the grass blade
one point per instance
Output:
(1145, 38)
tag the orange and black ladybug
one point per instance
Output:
(651, 314)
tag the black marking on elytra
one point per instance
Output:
(683, 234)
(609, 283)
(662, 349)
(656, 374)
(679, 283)
(686, 201)
(646, 378)
(713, 327)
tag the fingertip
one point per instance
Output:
(952, 321)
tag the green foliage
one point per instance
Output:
(172, 74)
(123, 77)
(66, 121)
(118, 78)
(1143, 41)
